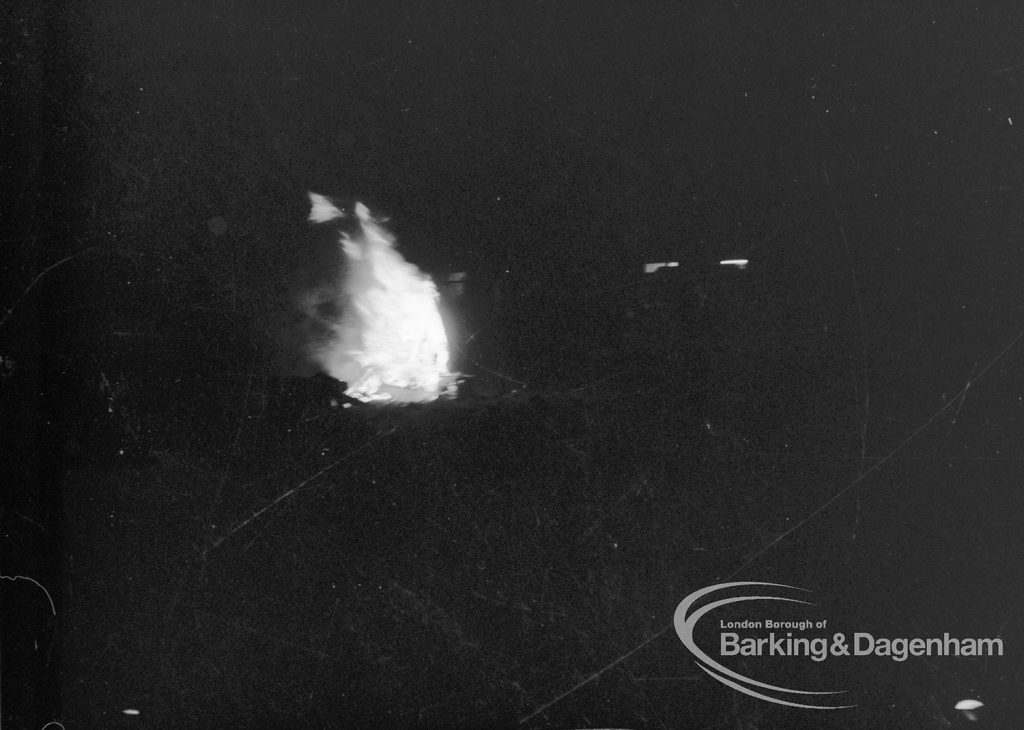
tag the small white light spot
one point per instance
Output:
(968, 705)
(130, 711)
(969, 709)
(1010, 120)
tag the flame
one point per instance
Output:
(388, 343)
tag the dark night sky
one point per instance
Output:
(865, 156)
(545, 142)
(542, 125)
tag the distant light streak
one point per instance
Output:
(738, 263)
(651, 268)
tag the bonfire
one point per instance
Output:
(387, 341)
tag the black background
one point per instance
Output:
(865, 156)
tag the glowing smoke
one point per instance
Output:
(386, 340)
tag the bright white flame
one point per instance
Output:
(389, 343)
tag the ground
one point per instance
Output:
(515, 558)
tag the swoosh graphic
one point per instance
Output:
(685, 622)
